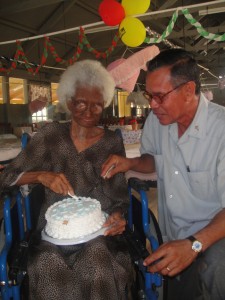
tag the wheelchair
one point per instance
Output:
(142, 233)
(143, 237)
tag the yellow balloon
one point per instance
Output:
(135, 7)
(132, 32)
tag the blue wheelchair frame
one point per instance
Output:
(153, 281)
(11, 289)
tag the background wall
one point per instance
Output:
(15, 114)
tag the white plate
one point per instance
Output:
(80, 240)
(64, 242)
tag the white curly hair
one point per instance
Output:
(85, 73)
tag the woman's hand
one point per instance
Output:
(57, 182)
(116, 223)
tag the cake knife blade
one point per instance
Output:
(73, 196)
(109, 169)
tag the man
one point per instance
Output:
(184, 141)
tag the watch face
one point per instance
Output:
(197, 246)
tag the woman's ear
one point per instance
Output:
(69, 104)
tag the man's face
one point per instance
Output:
(169, 103)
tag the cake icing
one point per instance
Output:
(74, 218)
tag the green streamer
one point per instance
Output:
(201, 30)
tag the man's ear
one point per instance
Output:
(190, 90)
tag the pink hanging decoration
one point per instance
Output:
(126, 71)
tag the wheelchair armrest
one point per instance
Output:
(138, 184)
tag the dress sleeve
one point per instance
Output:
(33, 158)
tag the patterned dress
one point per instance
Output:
(99, 269)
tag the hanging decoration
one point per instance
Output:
(137, 98)
(111, 12)
(132, 32)
(192, 21)
(221, 83)
(83, 43)
(135, 7)
(116, 68)
(201, 30)
(158, 39)
(129, 35)
(208, 94)
(126, 71)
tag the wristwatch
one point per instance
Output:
(196, 245)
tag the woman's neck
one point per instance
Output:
(83, 137)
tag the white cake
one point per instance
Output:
(71, 218)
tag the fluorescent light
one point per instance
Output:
(211, 11)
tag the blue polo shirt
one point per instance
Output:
(190, 170)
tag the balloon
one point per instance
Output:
(111, 12)
(132, 32)
(135, 7)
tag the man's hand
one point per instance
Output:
(116, 224)
(171, 258)
(57, 182)
(119, 163)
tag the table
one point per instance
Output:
(131, 136)
(133, 150)
(10, 146)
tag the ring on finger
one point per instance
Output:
(168, 269)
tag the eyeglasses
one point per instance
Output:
(160, 98)
(81, 105)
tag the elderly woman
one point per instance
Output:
(67, 157)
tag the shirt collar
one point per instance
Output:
(198, 126)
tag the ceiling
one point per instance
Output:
(20, 20)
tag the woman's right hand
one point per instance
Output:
(57, 182)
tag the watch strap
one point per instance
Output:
(191, 238)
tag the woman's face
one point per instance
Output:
(86, 106)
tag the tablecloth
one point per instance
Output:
(133, 150)
(10, 146)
